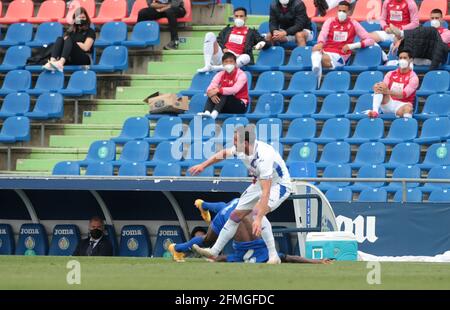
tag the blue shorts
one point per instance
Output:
(249, 252)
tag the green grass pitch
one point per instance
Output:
(28, 272)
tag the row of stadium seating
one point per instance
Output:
(144, 34)
(55, 10)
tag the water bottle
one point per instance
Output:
(267, 109)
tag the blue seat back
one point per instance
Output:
(301, 56)
(405, 153)
(167, 234)
(436, 81)
(369, 128)
(264, 28)
(197, 104)
(336, 153)
(169, 127)
(438, 154)
(260, 7)
(51, 103)
(273, 57)
(229, 126)
(103, 150)
(372, 171)
(242, 3)
(113, 32)
(303, 169)
(406, 172)
(84, 80)
(201, 127)
(135, 241)
(336, 104)
(19, 33)
(437, 104)
(371, 26)
(17, 103)
(19, 80)
(412, 195)
(270, 81)
(366, 80)
(303, 152)
(133, 169)
(7, 246)
(364, 103)
(32, 240)
(439, 172)
(303, 81)
(50, 80)
(66, 168)
(116, 56)
(336, 128)
(135, 151)
(304, 104)
(275, 102)
(100, 168)
(168, 151)
(403, 128)
(437, 126)
(338, 194)
(135, 128)
(440, 195)
(302, 128)
(146, 31)
(373, 195)
(369, 56)
(337, 171)
(201, 81)
(48, 32)
(167, 170)
(269, 129)
(18, 127)
(371, 153)
(17, 55)
(64, 240)
(234, 170)
(338, 81)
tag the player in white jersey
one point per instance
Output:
(271, 187)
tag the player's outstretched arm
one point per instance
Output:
(218, 157)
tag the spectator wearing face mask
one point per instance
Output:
(437, 21)
(74, 48)
(96, 244)
(228, 91)
(289, 22)
(238, 40)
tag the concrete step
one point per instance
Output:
(189, 43)
(44, 165)
(162, 83)
(58, 153)
(75, 141)
(138, 108)
(185, 68)
(108, 117)
(193, 58)
(142, 92)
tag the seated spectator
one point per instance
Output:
(397, 93)
(402, 14)
(335, 42)
(96, 244)
(170, 9)
(74, 48)
(437, 21)
(323, 6)
(228, 91)
(237, 39)
(289, 23)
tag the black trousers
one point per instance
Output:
(70, 50)
(171, 14)
(228, 104)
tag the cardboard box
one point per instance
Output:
(167, 103)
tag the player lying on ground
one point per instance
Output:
(247, 247)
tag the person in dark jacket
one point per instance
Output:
(425, 45)
(170, 9)
(97, 244)
(289, 23)
(238, 39)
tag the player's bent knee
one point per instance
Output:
(243, 60)
(210, 36)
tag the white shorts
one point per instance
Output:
(308, 39)
(216, 60)
(278, 194)
(384, 36)
(336, 60)
(393, 106)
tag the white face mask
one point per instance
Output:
(435, 23)
(284, 2)
(403, 63)
(342, 16)
(239, 22)
(229, 68)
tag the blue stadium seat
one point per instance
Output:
(434, 82)
(437, 155)
(199, 151)
(401, 130)
(300, 60)
(370, 172)
(439, 195)
(110, 233)
(168, 128)
(373, 195)
(436, 105)
(302, 169)
(276, 105)
(333, 129)
(166, 235)
(16, 80)
(268, 59)
(365, 82)
(369, 153)
(334, 82)
(264, 28)
(228, 128)
(334, 105)
(103, 150)
(145, 33)
(364, 103)
(32, 240)
(405, 153)
(66, 168)
(367, 130)
(17, 34)
(133, 151)
(83, 82)
(413, 195)
(15, 129)
(15, 104)
(301, 105)
(260, 7)
(200, 128)
(368, 58)
(100, 168)
(196, 105)
(134, 128)
(404, 172)
(437, 172)
(65, 239)
(207, 172)
(338, 194)
(199, 84)
(434, 130)
(114, 58)
(46, 33)
(167, 170)
(15, 58)
(133, 169)
(335, 153)
(301, 82)
(234, 170)
(335, 171)
(48, 106)
(370, 26)
(302, 152)
(300, 130)
(282, 241)
(7, 246)
(167, 151)
(279, 147)
(268, 82)
(135, 241)
(269, 129)
(111, 33)
(48, 81)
